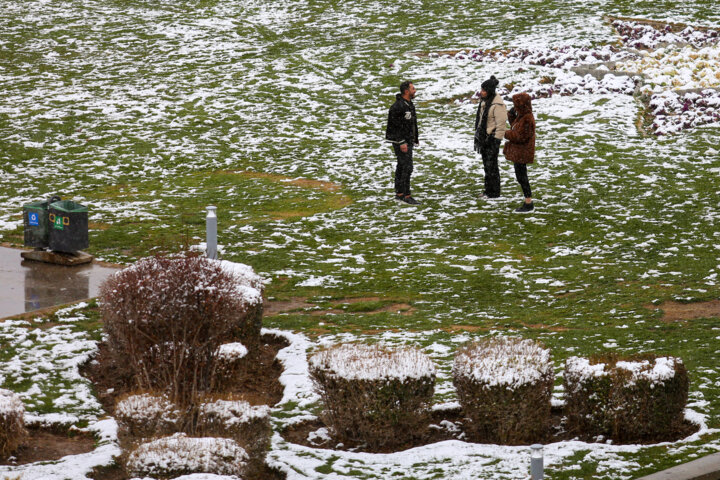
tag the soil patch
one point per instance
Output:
(675, 311)
(298, 304)
(449, 425)
(45, 445)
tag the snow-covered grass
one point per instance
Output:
(148, 113)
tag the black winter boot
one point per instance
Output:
(525, 208)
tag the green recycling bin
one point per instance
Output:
(35, 222)
(68, 225)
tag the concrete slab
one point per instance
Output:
(705, 468)
(26, 285)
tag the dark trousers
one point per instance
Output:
(490, 165)
(522, 178)
(403, 170)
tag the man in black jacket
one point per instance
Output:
(402, 132)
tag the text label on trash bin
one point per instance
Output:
(59, 222)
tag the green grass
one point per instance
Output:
(149, 115)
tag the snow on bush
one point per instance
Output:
(232, 362)
(12, 427)
(374, 396)
(179, 454)
(166, 317)
(504, 386)
(232, 351)
(635, 399)
(564, 57)
(237, 419)
(146, 415)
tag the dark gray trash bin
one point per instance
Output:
(68, 222)
(35, 223)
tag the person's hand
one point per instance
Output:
(404, 148)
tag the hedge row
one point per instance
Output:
(380, 398)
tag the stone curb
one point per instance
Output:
(706, 468)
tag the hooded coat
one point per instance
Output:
(520, 144)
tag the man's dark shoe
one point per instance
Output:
(525, 208)
(398, 197)
(410, 200)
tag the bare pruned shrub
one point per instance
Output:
(627, 399)
(177, 455)
(146, 415)
(374, 396)
(504, 386)
(166, 317)
(12, 426)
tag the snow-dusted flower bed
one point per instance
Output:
(564, 57)
(675, 67)
(625, 399)
(180, 454)
(675, 112)
(689, 59)
(504, 386)
(643, 36)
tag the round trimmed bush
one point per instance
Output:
(165, 318)
(637, 398)
(12, 423)
(374, 396)
(170, 457)
(504, 386)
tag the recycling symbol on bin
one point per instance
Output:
(59, 222)
(33, 219)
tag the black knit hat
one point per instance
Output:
(490, 85)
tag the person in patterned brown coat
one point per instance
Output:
(520, 145)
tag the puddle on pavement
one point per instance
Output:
(27, 285)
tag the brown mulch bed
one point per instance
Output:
(448, 425)
(46, 445)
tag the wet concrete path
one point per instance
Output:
(27, 285)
